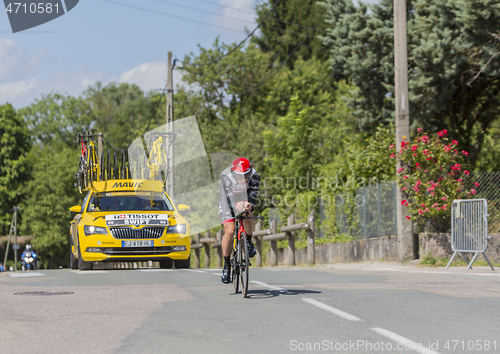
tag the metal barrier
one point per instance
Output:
(469, 228)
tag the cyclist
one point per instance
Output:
(239, 190)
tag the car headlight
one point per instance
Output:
(92, 230)
(177, 229)
(178, 248)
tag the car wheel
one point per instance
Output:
(182, 263)
(167, 263)
(83, 265)
(72, 260)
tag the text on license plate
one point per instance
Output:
(138, 243)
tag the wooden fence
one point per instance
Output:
(259, 236)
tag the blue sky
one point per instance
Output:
(103, 40)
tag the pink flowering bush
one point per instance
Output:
(432, 174)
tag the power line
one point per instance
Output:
(170, 15)
(253, 13)
(230, 7)
(240, 44)
(203, 11)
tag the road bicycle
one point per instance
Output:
(89, 167)
(240, 261)
(157, 159)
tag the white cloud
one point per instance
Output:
(14, 62)
(236, 14)
(151, 76)
(21, 81)
(148, 76)
(23, 92)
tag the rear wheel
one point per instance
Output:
(101, 167)
(124, 168)
(183, 263)
(108, 167)
(92, 174)
(167, 263)
(244, 264)
(116, 169)
(83, 265)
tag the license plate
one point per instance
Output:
(138, 243)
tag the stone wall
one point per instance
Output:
(384, 249)
(439, 246)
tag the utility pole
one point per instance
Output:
(170, 128)
(8, 241)
(405, 228)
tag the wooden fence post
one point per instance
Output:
(274, 244)
(197, 251)
(219, 249)
(311, 253)
(291, 241)
(207, 251)
(258, 245)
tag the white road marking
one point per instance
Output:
(417, 347)
(193, 270)
(269, 286)
(89, 271)
(154, 270)
(27, 275)
(333, 310)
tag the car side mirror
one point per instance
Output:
(183, 207)
(77, 209)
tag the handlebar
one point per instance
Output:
(243, 216)
(91, 136)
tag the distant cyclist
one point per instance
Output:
(239, 190)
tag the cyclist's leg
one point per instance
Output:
(249, 225)
(227, 238)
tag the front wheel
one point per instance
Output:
(83, 265)
(167, 263)
(182, 263)
(72, 260)
(235, 271)
(244, 264)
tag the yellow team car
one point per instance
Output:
(129, 220)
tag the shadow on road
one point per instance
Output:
(265, 294)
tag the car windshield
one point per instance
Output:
(129, 202)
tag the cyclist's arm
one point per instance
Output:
(253, 189)
(224, 201)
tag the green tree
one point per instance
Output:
(487, 160)
(57, 117)
(49, 195)
(292, 24)
(14, 164)
(123, 111)
(448, 44)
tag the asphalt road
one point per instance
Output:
(356, 308)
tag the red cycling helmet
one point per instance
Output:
(241, 166)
